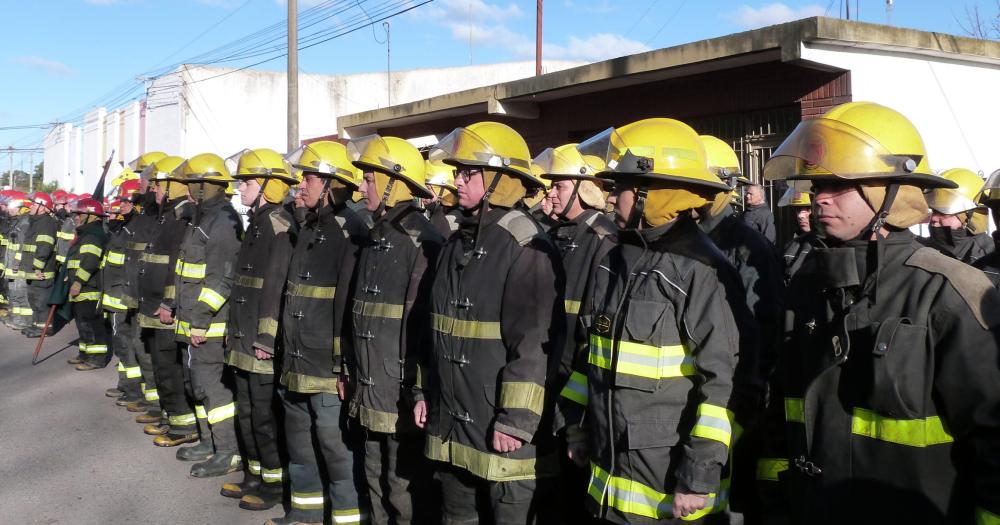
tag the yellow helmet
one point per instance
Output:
(202, 167)
(126, 175)
(952, 201)
(855, 141)
(655, 149)
(161, 173)
(566, 162)
(326, 159)
(487, 145)
(391, 158)
(269, 169)
(142, 161)
(795, 197)
(722, 159)
(991, 189)
(440, 174)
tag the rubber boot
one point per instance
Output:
(75, 360)
(155, 429)
(85, 366)
(138, 406)
(114, 392)
(250, 484)
(268, 496)
(32, 332)
(200, 452)
(218, 465)
(290, 520)
(147, 418)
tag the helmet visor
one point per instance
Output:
(465, 147)
(949, 201)
(567, 163)
(440, 174)
(825, 147)
(233, 161)
(797, 194)
(603, 151)
(371, 152)
(152, 174)
(991, 190)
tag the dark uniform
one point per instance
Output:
(205, 270)
(391, 327)
(65, 235)
(444, 219)
(959, 244)
(5, 223)
(759, 218)
(887, 392)
(17, 289)
(116, 300)
(990, 264)
(254, 312)
(83, 264)
(38, 255)
(497, 315)
(796, 251)
(322, 265)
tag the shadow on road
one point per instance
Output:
(53, 354)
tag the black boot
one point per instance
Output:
(200, 452)
(218, 465)
(250, 484)
(32, 332)
(268, 496)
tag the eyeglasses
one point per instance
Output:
(466, 174)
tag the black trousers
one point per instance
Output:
(399, 479)
(168, 368)
(205, 373)
(468, 499)
(38, 300)
(257, 417)
(94, 333)
(124, 336)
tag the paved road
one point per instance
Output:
(69, 455)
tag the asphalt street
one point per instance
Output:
(69, 455)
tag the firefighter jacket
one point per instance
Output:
(118, 268)
(15, 236)
(887, 397)
(663, 349)
(38, 250)
(390, 318)
(990, 264)
(65, 235)
(261, 268)
(157, 263)
(959, 244)
(497, 315)
(795, 253)
(5, 223)
(583, 242)
(314, 313)
(83, 262)
(205, 270)
(443, 219)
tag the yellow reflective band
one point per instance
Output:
(911, 432)
(190, 270)
(528, 396)
(45, 238)
(213, 299)
(152, 395)
(95, 349)
(14, 247)
(214, 329)
(267, 326)
(347, 516)
(307, 500)
(182, 420)
(249, 282)
(169, 292)
(382, 310)
(492, 467)
(86, 296)
(121, 366)
(576, 389)
(255, 467)
(45, 276)
(91, 249)
(29, 248)
(795, 410)
(985, 517)
(572, 307)
(38, 264)
(715, 423)
(22, 310)
(311, 292)
(73, 264)
(465, 329)
(11, 274)
(113, 303)
(133, 372)
(769, 468)
(66, 236)
(637, 359)
(271, 475)
(636, 498)
(60, 259)
(199, 412)
(82, 274)
(153, 258)
(219, 414)
(136, 246)
(116, 258)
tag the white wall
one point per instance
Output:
(955, 105)
(58, 161)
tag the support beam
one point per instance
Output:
(525, 110)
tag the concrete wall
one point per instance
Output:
(953, 103)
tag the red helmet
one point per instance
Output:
(113, 205)
(84, 196)
(128, 188)
(89, 206)
(18, 198)
(42, 198)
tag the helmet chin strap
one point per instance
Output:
(635, 216)
(385, 197)
(877, 223)
(484, 206)
(563, 216)
(325, 196)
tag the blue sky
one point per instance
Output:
(58, 57)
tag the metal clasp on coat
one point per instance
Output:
(479, 253)
(460, 360)
(238, 334)
(305, 276)
(247, 267)
(383, 244)
(464, 303)
(320, 238)
(374, 290)
(365, 380)
(241, 300)
(461, 416)
(368, 335)
(807, 467)
(298, 315)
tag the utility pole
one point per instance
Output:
(31, 176)
(10, 165)
(293, 75)
(538, 37)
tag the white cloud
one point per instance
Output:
(51, 67)
(747, 17)
(594, 48)
(602, 7)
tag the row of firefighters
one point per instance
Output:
(470, 334)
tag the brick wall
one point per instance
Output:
(818, 101)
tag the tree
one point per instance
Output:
(981, 26)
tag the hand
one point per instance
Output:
(166, 316)
(420, 413)
(344, 386)
(197, 340)
(578, 453)
(74, 289)
(685, 504)
(39, 275)
(504, 443)
(263, 355)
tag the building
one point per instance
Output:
(199, 109)
(750, 89)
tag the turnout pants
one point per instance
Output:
(398, 477)
(168, 368)
(257, 409)
(93, 331)
(205, 374)
(324, 415)
(20, 309)
(122, 342)
(38, 301)
(468, 499)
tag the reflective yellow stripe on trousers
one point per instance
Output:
(636, 498)
(637, 359)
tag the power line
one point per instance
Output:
(667, 22)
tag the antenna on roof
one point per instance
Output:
(888, 12)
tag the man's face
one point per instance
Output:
(310, 190)
(841, 210)
(160, 190)
(471, 187)
(36, 209)
(127, 207)
(78, 219)
(368, 189)
(249, 190)
(802, 219)
(755, 195)
(939, 220)
(623, 201)
(563, 201)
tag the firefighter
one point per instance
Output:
(886, 407)
(497, 317)
(805, 238)
(959, 223)
(38, 261)
(17, 289)
(442, 208)
(990, 197)
(205, 270)
(391, 324)
(4, 225)
(67, 227)
(83, 264)
(314, 324)
(663, 337)
(265, 178)
(156, 285)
